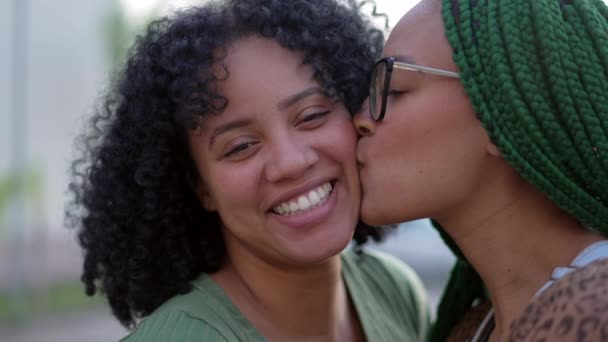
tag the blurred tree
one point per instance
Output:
(120, 30)
(116, 33)
(9, 188)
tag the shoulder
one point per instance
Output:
(388, 271)
(574, 308)
(174, 325)
(393, 284)
(203, 314)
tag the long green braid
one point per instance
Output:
(536, 72)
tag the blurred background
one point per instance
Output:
(57, 59)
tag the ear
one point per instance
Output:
(493, 150)
(205, 197)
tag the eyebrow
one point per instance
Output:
(221, 129)
(286, 103)
(293, 99)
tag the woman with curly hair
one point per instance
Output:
(491, 117)
(219, 184)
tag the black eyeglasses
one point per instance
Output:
(381, 79)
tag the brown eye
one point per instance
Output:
(240, 148)
(315, 116)
(394, 92)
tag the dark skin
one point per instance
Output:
(432, 153)
(276, 141)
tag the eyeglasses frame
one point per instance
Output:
(391, 64)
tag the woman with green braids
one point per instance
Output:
(491, 117)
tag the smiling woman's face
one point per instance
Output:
(278, 164)
(426, 157)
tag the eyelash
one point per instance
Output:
(244, 146)
(315, 116)
(393, 92)
(240, 148)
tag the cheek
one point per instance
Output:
(427, 138)
(341, 141)
(432, 119)
(446, 150)
(232, 187)
(340, 146)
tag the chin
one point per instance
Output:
(319, 252)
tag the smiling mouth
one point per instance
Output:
(306, 202)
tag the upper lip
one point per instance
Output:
(299, 190)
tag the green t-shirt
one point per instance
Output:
(388, 296)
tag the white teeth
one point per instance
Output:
(285, 207)
(303, 203)
(312, 199)
(321, 192)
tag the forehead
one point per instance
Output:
(256, 75)
(261, 66)
(420, 34)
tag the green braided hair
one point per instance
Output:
(536, 72)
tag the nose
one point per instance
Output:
(363, 121)
(290, 159)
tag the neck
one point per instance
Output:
(514, 237)
(289, 302)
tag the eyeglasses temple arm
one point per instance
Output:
(413, 67)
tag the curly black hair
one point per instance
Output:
(142, 229)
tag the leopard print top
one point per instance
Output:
(575, 308)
